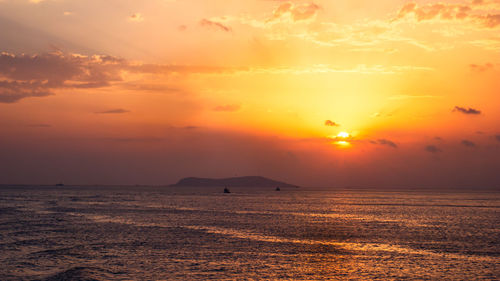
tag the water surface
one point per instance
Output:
(124, 233)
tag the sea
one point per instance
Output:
(188, 233)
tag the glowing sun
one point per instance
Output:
(343, 135)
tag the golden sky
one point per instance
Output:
(331, 93)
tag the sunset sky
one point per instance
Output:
(362, 93)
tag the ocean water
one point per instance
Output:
(164, 233)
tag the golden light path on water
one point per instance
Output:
(243, 234)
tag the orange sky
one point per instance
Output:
(126, 92)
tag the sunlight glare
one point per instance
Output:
(343, 135)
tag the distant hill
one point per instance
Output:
(251, 181)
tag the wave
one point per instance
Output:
(350, 246)
(82, 273)
(242, 234)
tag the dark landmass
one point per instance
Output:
(251, 181)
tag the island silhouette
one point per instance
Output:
(248, 181)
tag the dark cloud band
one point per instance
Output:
(469, 110)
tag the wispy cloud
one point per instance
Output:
(227, 108)
(39, 125)
(481, 67)
(113, 111)
(406, 97)
(468, 143)
(38, 75)
(135, 139)
(490, 44)
(294, 12)
(12, 91)
(435, 10)
(384, 142)
(432, 149)
(490, 20)
(23, 76)
(449, 12)
(387, 142)
(469, 110)
(323, 68)
(137, 17)
(190, 127)
(215, 25)
(330, 123)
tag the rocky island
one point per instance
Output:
(249, 181)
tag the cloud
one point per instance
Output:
(190, 127)
(481, 68)
(330, 123)
(324, 68)
(183, 69)
(12, 91)
(444, 11)
(406, 97)
(491, 43)
(135, 139)
(294, 12)
(317, 68)
(114, 111)
(137, 17)
(150, 87)
(489, 21)
(468, 143)
(227, 108)
(466, 110)
(215, 25)
(39, 125)
(432, 149)
(432, 11)
(387, 142)
(39, 75)
(384, 142)
(24, 75)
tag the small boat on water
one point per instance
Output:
(226, 190)
(278, 188)
(60, 184)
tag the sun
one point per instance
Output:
(343, 135)
(343, 143)
(342, 139)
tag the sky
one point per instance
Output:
(355, 93)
